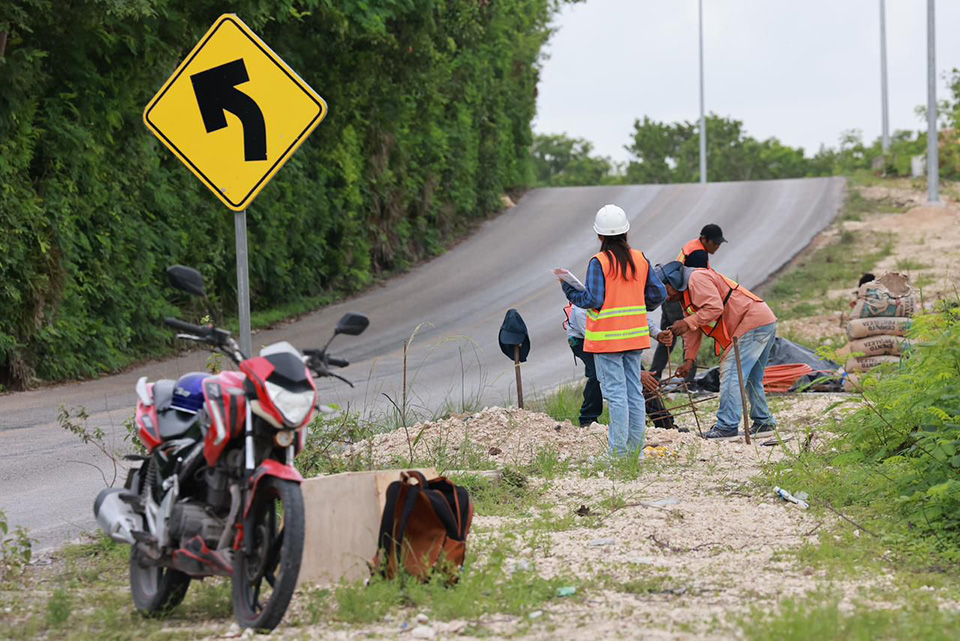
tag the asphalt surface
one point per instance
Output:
(48, 478)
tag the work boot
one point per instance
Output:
(762, 428)
(720, 433)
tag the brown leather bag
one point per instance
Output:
(424, 527)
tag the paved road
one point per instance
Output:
(48, 479)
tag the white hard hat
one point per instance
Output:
(611, 221)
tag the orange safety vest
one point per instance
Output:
(621, 324)
(718, 331)
(693, 246)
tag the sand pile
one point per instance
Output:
(502, 435)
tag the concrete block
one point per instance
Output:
(342, 521)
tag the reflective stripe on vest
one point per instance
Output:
(689, 248)
(718, 331)
(616, 334)
(616, 312)
(621, 324)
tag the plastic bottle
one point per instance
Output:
(786, 496)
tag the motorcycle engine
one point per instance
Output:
(189, 519)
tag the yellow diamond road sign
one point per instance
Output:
(234, 112)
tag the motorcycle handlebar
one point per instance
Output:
(189, 328)
(337, 362)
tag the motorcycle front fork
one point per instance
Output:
(250, 462)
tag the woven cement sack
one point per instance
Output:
(891, 326)
(874, 346)
(867, 363)
(889, 295)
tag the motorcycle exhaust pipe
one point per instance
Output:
(115, 517)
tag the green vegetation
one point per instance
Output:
(894, 466)
(561, 161)
(16, 549)
(484, 588)
(819, 616)
(83, 595)
(670, 153)
(430, 109)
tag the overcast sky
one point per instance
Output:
(801, 70)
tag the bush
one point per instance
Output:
(16, 549)
(430, 110)
(897, 456)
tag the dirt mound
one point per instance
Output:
(506, 436)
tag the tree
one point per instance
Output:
(560, 160)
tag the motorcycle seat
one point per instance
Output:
(174, 423)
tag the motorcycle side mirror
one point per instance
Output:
(352, 324)
(187, 279)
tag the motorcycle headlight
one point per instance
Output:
(293, 405)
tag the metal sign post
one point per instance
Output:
(243, 282)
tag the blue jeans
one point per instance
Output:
(755, 347)
(619, 375)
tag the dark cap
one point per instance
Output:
(714, 233)
(513, 332)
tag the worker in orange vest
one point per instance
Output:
(718, 307)
(697, 254)
(620, 287)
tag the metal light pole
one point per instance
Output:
(703, 118)
(933, 161)
(883, 76)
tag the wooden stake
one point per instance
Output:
(516, 367)
(743, 392)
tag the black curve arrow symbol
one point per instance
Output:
(217, 93)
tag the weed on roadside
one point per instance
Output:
(820, 616)
(487, 587)
(16, 549)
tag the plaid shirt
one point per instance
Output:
(592, 297)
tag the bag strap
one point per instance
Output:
(415, 474)
(456, 502)
(389, 514)
(409, 503)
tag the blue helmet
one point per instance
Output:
(188, 393)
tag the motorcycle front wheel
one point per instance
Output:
(265, 578)
(156, 590)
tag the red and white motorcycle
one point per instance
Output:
(218, 493)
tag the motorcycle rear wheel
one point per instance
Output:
(264, 580)
(156, 590)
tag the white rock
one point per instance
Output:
(423, 632)
(234, 631)
(422, 618)
(665, 502)
(599, 543)
(642, 560)
(536, 615)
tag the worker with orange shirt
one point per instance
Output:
(718, 307)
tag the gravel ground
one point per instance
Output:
(695, 524)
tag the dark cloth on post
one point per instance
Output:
(592, 406)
